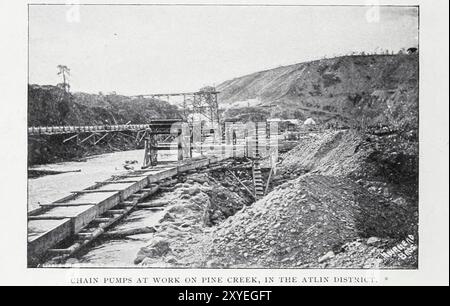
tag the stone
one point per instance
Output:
(400, 201)
(222, 196)
(373, 240)
(327, 256)
(211, 263)
(171, 260)
(200, 179)
(167, 218)
(252, 237)
(158, 247)
(373, 189)
(193, 190)
(72, 261)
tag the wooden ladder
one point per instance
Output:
(257, 180)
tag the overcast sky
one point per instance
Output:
(163, 49)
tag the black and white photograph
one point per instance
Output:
(225, 136)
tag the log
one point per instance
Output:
(131, 232)
(50, 172)
(240, 182)
(151, 204)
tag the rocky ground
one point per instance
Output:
(194, 207)
(333, 204)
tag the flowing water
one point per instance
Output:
(49, 188)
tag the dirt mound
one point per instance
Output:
(301, 221)
(391, 158)
(331, 153)
(193, 208)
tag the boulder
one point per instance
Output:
(158, 247)
(373, 240)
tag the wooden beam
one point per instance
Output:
(70, 138)
(151, 205)
(117, 182)
(249, 192)
(46, 217)
(95, 191)
(89, 137)
(268, 181)
(65, 204)
(100, 139)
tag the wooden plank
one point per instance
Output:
(57, 221)
(96, 190)
(65, 204)
(44, 234)
(118, 182)
(80, 215)
(103, 201)
(161, 175)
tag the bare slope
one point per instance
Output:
(351, 89)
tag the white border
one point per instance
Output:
(434, 99)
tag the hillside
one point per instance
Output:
(355, 90)
(47, 106)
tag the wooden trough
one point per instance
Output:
(54, 222)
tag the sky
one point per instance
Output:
(136, 50)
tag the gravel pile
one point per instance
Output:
(302, 223)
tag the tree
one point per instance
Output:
(412, 50)
(65, 72)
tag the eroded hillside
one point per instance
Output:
(350, 90)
